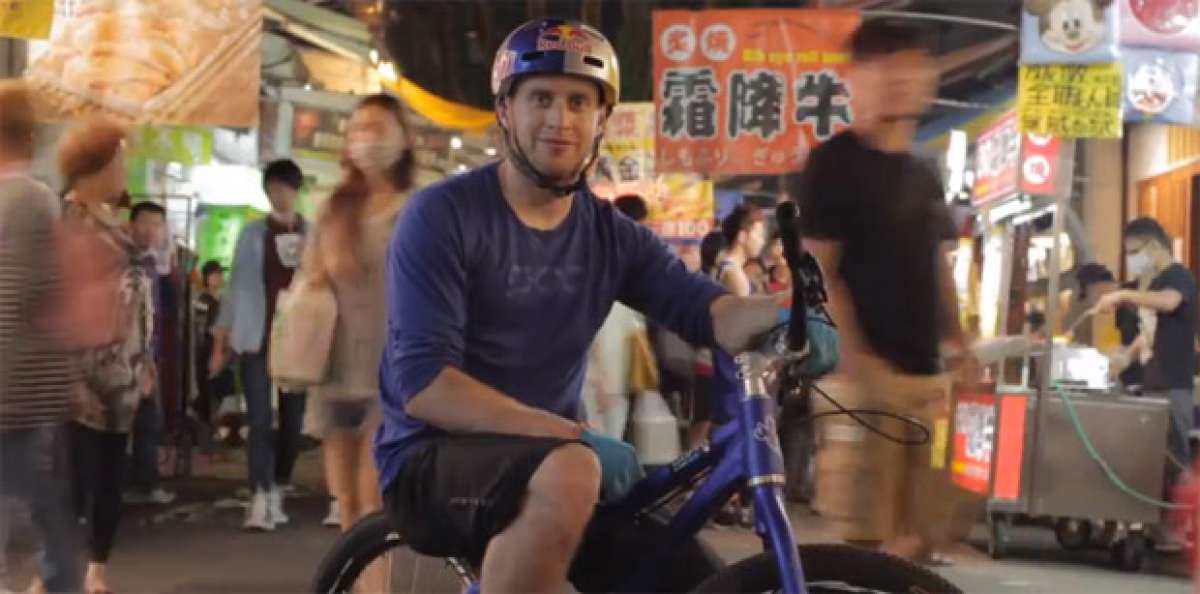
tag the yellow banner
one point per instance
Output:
(680, 204)
(30, 19)
(1071, 101)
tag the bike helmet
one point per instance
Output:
(555, 46)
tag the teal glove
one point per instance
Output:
(619, 466)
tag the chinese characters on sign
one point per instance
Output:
(1071, 101)
(748, 91)
(974, 439)
(680, 204)
(996, 154)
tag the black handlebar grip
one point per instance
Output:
(788, 218)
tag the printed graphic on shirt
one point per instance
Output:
(289, 246)
(533, 281)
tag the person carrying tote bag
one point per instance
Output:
(302, 336)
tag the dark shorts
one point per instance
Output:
(454, 493)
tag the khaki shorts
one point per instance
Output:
(872, 489)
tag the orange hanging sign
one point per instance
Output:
(749, 91)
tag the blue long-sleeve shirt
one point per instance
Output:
(471, 287)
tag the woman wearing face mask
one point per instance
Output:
(117, 375)
(347, 252)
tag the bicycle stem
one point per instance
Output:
(765, 469)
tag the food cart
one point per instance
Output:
(1061, 446)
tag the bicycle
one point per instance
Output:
(636, 546)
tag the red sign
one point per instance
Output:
(974, 440)
(996, 155)
(748, 91)
(1040, 164)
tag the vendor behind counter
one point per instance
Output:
(1117, 336)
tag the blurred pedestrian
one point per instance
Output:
(347, 252)
(607, 387)
(147, 227)
(756, 273)
(264, 262)
(118, 375)
(779, 279)
(704, 407)
(875, 218)
(745, 236)
(211, 391)
(36, 375)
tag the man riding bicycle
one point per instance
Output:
(498, 281)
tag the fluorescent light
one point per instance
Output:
(462, 168)
(307, 86)
(456, 142)
(387, 71)
(490, 151)
(374, 55)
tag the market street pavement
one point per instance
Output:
(196, 546)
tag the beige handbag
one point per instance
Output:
(302, 335)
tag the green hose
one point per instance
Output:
(1112, 476)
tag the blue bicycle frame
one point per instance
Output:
(742, 454)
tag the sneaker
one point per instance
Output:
(275, 507)
(334, 519)
(158, 496)
(258, 516)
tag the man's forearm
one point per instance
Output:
(737, 321)
(1167, 300)
(457, 403)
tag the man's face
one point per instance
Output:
(554, 119)
(282, 197)
(215, 281)
(147, 230)
(897, 86)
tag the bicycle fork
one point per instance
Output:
(765, 470)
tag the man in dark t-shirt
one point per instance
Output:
(1169, 294)
(875, 217)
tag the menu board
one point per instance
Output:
(194, 62)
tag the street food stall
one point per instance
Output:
(1049, 439)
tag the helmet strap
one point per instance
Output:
(541, 180)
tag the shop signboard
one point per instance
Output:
(1043, 165)
(186, 145)
(974, 439)
(997, 152)
(749, 91)
(178, 62)
(29, 19)
(1071, 101)
(318, 133)
(680, 204)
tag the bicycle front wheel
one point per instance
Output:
(831, 569)
(372, 557)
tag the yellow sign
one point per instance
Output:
(30, 19)
(1071, 101)
(681, 205)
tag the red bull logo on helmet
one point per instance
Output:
(568, 38)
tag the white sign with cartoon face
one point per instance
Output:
(1160, 86)
(1068, 32)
